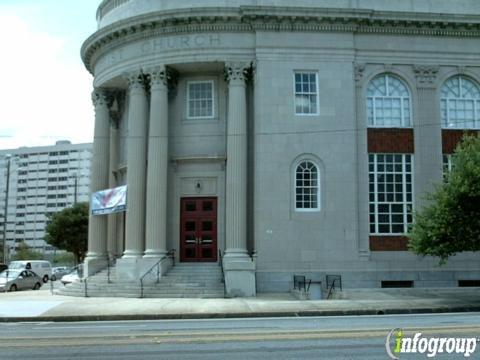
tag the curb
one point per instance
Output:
(187, 316)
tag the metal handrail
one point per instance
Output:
(170, 254)
(300, 281)
(110, 264)
(331, 288)
(220, 263)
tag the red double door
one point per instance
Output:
(198, 229)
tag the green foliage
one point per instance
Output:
(68, 230)
(67, 259)
(25, 253)
(451, 223)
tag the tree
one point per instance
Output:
(68, 230)
(451, 222)
(24, 252)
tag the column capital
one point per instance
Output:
(426, 75)
(161, 76)
(102, 97)
(359, 70)
(136, 80)
(238, 72)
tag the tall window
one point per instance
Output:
(307, 184)
(306, 93)
(388, 102)
(460, 103)
(447, 165)
(200, 99)
(391, 199)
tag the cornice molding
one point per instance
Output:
(292, 19)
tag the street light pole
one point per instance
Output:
(5, 216)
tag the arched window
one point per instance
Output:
(307, 186)
(388, 102)
(460, 103)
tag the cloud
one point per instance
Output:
(44, 97)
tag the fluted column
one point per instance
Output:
(157, 173)
(136, 166)
(361, 201)
(97, 225)
(236, 171)
(427, 134)
(112, 242)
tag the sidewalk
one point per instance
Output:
(42, 306)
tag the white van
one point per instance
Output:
(42, 268)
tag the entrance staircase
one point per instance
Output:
(184, 280)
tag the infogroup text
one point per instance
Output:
(397, 343)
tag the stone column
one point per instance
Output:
(362, 200)
(157, 173)
(136, 166)
(239, 269)
(97, 225)
(112, 248)
(427, 135)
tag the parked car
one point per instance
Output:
(59, 271)
(41, 267)
(3, 267)
(13, 280)
(73, 276)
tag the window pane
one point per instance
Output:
(388, 195)
(306, 190)
(457, 104)
(385, 96)
(200, 99)
(306, 97)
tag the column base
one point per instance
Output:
(132, 254)
(155, 253)
(239, 276)
(94, 263)
(241, 254)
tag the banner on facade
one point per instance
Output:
(109, 201)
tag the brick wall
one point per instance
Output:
(388, 243)
(450, 139)
(391, 140)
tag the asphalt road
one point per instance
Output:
(346, 337)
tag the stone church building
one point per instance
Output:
(279, 137)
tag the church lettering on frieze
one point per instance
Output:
(180, 42)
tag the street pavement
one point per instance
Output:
(325, 337)
(42, 305)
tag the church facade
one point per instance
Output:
(279, 138)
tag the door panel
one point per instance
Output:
(198, 229)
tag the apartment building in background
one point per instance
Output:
(42, 181)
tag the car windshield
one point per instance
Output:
(9, 273)
(16, 265)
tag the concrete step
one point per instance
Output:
(186, 280)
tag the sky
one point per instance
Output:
(45, 88)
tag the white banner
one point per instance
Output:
(109, 201)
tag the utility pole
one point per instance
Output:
(5, 215)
